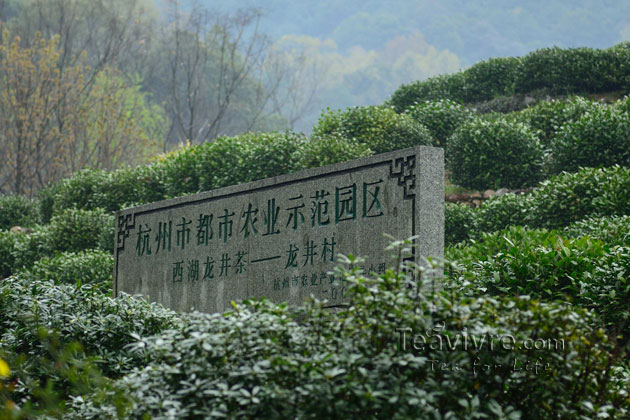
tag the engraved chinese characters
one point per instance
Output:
(279, 238)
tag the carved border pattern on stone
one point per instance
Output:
(403, 169)
(126, 222)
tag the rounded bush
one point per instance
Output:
(327, 150)
(491, 78)
(18, 210)
(441, 117)
(459, 222)
(547, 117)
(379, 128)
(84, 267)
(493, 154)
(77, 230)
(248, 157)
(599, 138)
(445, 86)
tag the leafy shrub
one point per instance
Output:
(327, 150)
(28, 248)
(543, 264)
(599, 138)
(491, 154)
(547, 117)
(379, 128)
(459, 222)
(76, 230)
(559, 201)
(570, 197)
(441, 117)
(33, 310)
(612, 230)
(18, 210)
(446, 86)
(491, 78)
(267, 361)
(91, 189)
(248, 157)
(84, 267)
(7, 247)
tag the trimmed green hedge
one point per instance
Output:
(613, 230)
(600, 137)
(84, 267)
(441, 117)
(557, 202)
(18, 210)
(556, 70)
(379, 128)
(322, 151)
(485, 154)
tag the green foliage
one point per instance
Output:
(560, 201)
(491, 78)
(448, 86)
(28, 248)
(84, 267)
(90, 189)
(34, 310)
(612, 230)
(459, 222)
(248, 157)
(569, 197)
(327, 150)
(492, 154)
(554, 70)
(545, 265)
(76, 230)
(7, 246)
(268, 361)
(441, 117)
(547, 117)
(379, 128)
(500, 212)
(18, 210)
(599, 138)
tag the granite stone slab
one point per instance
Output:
(279, 237)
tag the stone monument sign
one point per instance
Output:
(279, 237)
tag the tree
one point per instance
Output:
(54, 120)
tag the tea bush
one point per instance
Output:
(547, 117)
(599, 138)
(268, 361)
(459, 222)
(18, 210)
(441, 117)
(493, 154)
(445, 86)
(7, 247)
(84, 267)
(322, 151)
(33, 310)
(491, 78)
(613, 230)
(379, 128)
(545, 265)
(76, 230)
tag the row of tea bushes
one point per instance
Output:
(547, 265)
(225, 161)
(387, 356)
(557, 202)
(559, 71)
